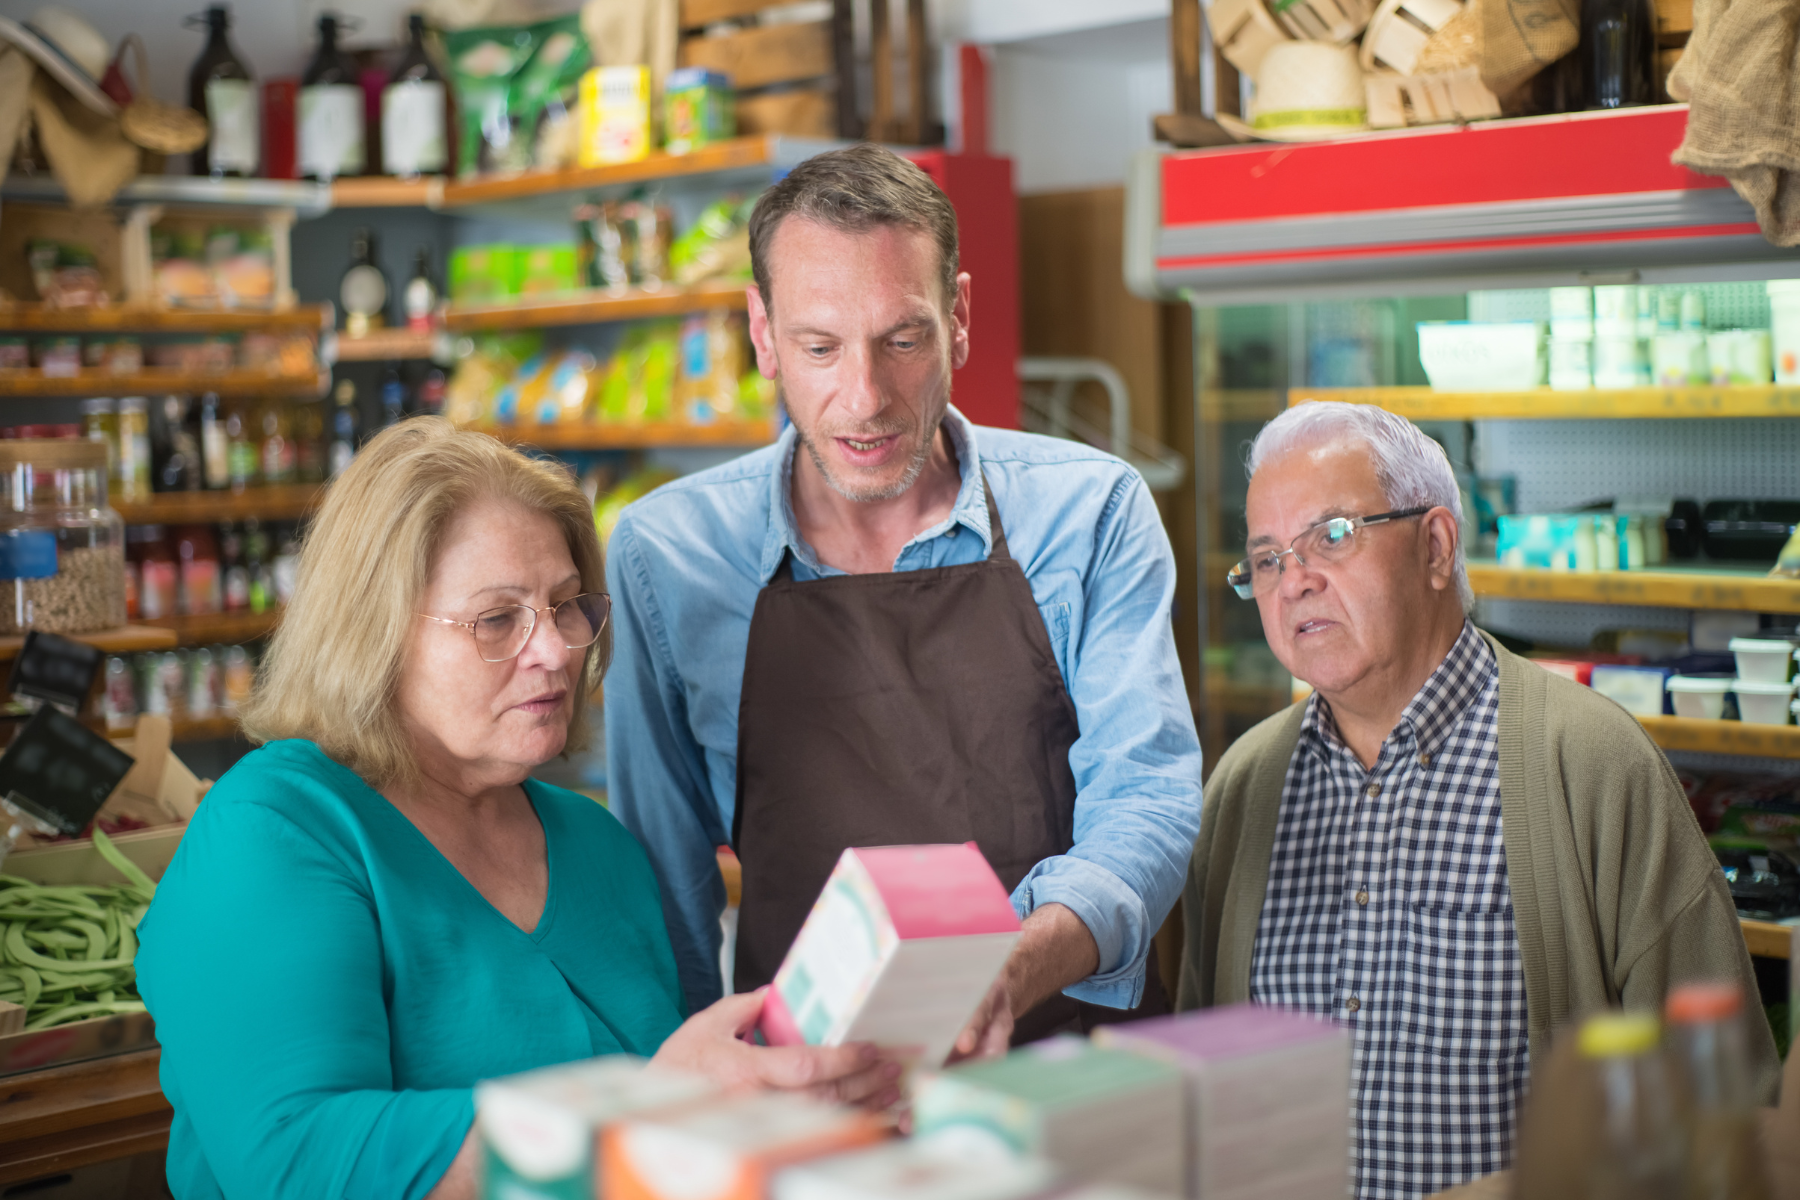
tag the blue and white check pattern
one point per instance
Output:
(1388, 909)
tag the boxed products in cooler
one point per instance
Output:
(1638, 690)
(1463, 356)
(899, 949)
(540, 1130)
(1267, 1098)
(724, 1150)
(1097, 1113)
(912, 1171)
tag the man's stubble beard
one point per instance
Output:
(914, 468)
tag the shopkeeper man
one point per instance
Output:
(1446, 848)
(892, 627)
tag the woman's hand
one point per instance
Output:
(711, 1043)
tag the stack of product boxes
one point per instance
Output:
(900, 948)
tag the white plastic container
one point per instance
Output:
(1765, 660)
(1762, 703)
(1638, 690)
(1784, 321)
(1462, 356)
(1699, 695)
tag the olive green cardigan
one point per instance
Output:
(1616, 895)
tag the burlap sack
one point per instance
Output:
(1519, 38)
(1741, 76)
(87, 153)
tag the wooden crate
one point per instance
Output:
(764, 55)
(100, 230)
(805, 112)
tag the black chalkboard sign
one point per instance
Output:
(55, 669)
(63, 770)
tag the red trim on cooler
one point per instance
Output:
(1486, 163)
(1398, 249)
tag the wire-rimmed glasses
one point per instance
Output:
(1327, 542)
(501, 633)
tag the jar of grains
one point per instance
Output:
(62, 550)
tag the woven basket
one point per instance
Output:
(156, 126)
(1399, 30)
(1244, 31)
(1324, 20)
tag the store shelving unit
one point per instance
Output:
(1665, 587)
(591, 306)
(1767, 939)
(128, 639)
(385, 191)
(205, 629)
(1723, 737)
(282, 502)
(124, 318)
(1426, 404)
(387, 345)
(736, 154)
(160, 380)
(588, 435)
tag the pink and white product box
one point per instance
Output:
(907, 1170)
(1268, 1097)
(899, 949)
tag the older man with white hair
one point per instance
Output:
(1445, 848)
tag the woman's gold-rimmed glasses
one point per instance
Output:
(501, 633)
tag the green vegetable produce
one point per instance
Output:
(67, 953)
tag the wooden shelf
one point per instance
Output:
(128, 639)
(285, 502)
(1245, 699)
(386, 191)
(1767, 939)
(217, 627)
(1424, 404)
(31, 318)
(720, 156)
(1744, 591)
(597, 436)
(1242, 404)
(591, 306)
(155, 380)
(202, 729)
(386, 345)
(1723, 737)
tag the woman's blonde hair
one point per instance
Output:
(334, 662)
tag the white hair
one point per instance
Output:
(1412, 469)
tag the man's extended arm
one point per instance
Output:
(656, 775)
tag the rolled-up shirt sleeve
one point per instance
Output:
(1137, 760)
(656, 772)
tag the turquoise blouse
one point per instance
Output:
(328, 988)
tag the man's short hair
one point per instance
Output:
(856, 189)
(1412, 469)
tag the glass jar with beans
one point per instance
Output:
(62, 549)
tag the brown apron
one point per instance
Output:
(901, 709)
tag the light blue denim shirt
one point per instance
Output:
(685, 566)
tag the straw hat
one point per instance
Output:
(1306, 91)
(71, 50)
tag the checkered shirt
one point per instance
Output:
(1388, 909)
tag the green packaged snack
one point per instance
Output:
(542, 94)
(698, 108)
(484, 274)
(483, 63)
(715, 246)
(547, 270)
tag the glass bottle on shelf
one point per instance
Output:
(240, 449)
(215, 455)
(222, 89)
(256, 562)
(428, 397)
(309, 441)
(159, 586)
(199, 554)
(393, 396)
(363, 291)
(287, 565)
(413, 141)
(134, 448)
(1618, 49)
(331, 137)
(277, 448)
(419, 297)
(345, 423)
(235, 577)
(175, 451)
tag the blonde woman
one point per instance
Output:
(379, 907)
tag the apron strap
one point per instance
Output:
(784, 571)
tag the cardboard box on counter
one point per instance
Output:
(540, 1130)
(911, 1171)
(725, 1150)
(899, 949)
(1268, 1099)
(1097, 1113)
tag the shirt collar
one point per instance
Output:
(1433, 711)
(783, 534)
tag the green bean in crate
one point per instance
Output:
(67, 952)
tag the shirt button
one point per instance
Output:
(950, 532)
(1424, 760)
(1353, 1004)
(1374, 790)
(1362, 897)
